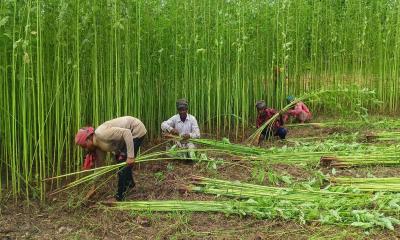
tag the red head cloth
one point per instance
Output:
(82, 135)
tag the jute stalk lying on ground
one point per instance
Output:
(362, 159)
(360, 124)
(384, 136)
(260, 154)
(270, 202)
(390, 184)
(325, 154)
(246, 190)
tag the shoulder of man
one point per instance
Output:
(132, 119)
(191, 117)
(174, 118)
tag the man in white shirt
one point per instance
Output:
(184, 125)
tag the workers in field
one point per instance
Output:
(299, 112)
(184, 125)
(121, 136)
(264, 114)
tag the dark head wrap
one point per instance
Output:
(261, 104)
(181, 103)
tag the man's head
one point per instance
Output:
(84, 138)
(182, 107)
(289, 99)
(260, 105)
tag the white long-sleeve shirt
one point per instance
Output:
(189, 126)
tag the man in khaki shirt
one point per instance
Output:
(121, 136)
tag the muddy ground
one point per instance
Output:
(67, 216)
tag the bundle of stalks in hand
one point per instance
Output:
(92, 174)
(318, 96)
(223, 145)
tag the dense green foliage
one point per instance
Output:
(64, 64)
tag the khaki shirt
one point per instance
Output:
(113, 135)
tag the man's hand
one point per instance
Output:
(174, 131)
(186, 136)
(130, 161)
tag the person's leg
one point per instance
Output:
(125, 178)
(122, 182)
(121, 157)
(176, 150)
(263, 135)
(186, 154)
(269, 133)
(130, 182)
(261, 138)
(137, 142)
(286, 118)
(302, 117)
(191, 152)
(182, 154)
(171, 150)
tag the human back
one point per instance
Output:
(136, 126)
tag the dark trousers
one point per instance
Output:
(125, 178)
(267, 133)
